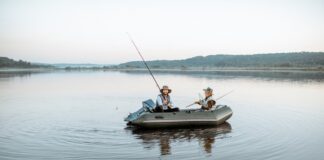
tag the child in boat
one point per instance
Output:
(208, 102)
(164, 102)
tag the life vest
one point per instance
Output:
(205, 101)
(164, 98)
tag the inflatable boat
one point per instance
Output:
(146, 117)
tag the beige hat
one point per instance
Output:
(165, 87)
(208, 89)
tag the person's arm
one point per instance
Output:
(159, 101)
(198, 102)
(170, 103)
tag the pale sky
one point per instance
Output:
(94, 31)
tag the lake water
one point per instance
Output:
(79, 115)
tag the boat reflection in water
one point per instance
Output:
(206, 136)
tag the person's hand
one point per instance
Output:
(170, 106)
(197, 102)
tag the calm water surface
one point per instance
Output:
(79, 115)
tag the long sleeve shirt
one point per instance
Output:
(160, 101)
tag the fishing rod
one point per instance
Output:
(148, 68)
(224, 95)
(215, 99)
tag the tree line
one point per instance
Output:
(295, 59)
(10, 63)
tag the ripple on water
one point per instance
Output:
(29, 136)
(267, 135)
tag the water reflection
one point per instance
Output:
(164, 137)
(302, 76)
(73, 115)
(14, 74)
(268, 75)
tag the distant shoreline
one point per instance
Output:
(26, 69)
(230, 70)
(195, 69)
(271, 62)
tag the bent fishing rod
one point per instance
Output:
(148, 68)
(215, 99)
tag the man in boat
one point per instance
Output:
(208, 102)
(164, 102)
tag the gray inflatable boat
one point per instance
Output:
(146, 118)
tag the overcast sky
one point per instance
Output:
(94, 31)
